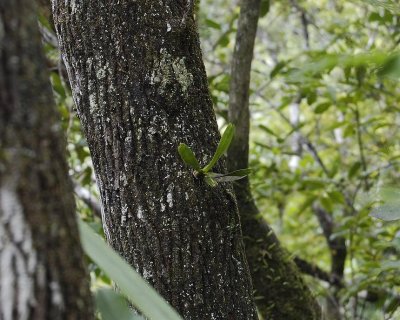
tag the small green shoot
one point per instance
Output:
(213, 178)
(188, 157)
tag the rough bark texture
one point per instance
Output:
(279, 289)
(140, 88)
(41, 263)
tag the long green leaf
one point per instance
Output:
(223, 145)
(188, 157)
(112, 305)
(230, 176)
(131, 284)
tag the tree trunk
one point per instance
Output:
(41, 263)
(140, 88)
(279, 289)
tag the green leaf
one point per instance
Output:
(388, 208)
(223, 41)
(268, 130)
(131, 284)
(313, 184)
(230, 176)
(213, 24)
(188, 157)
(337, 197)
(57, 85)
(326, 203)
(387, 4)
(112, 305)
(322, 107)
(223, 145)
(391, 67)
(386, 212)
(354, 169)
(279, 66)
(264, 7)
(361, 71)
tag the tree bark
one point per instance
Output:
(140, 88)
(42, 275)
(279, 288)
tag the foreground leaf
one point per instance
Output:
(140, 293)
(113, 306)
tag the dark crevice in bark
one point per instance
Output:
(140, 88)
(280, 291)
(42, 275)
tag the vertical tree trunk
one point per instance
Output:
(41, 263)
(279, 289)
(140, 87)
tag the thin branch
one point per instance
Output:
(316, 272)
(91, 201)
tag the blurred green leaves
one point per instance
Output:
(387, 204)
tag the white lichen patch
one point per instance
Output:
(184, 78)
(140, 213)
(147, 274)
(102, 71)
(170, 200)
(124, 214)
(169, 69)
(18, 258)
(123, 179)
(93, 103)
(56, 294)
(74, 6)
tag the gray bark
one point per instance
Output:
(42, 275)
(279, 288)
(140, 88)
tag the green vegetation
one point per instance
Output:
(212, 178)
